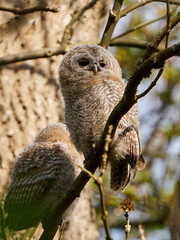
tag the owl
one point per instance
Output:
(91, 83)
(43, 172)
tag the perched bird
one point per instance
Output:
(91, 83)
(44, 171)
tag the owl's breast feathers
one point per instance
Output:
(87, 114)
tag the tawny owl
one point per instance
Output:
(92, 84)
(44, 171)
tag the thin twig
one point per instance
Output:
(130, 42)
(139, 4)
(28, 10)
(156, 41)
(47, 52)
(106, 149)
(153, 83)
(111, 23)
(104, 216)
(127, 226)
(61, 230)
(141, 232)
(104, 212)
(155, 61)
(88, 172)
(75, 18)
(144, 24)
(168, 22)
(127, 206)
(2, 224)
(99, 182)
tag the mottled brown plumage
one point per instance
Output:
(43, 172)
(92, 84)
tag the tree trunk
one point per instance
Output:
(30, 97)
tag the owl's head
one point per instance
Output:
(52, 133)
(85, 62)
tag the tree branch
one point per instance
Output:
(130, 42)
(47, 52)
(116, 14)
(144, 70)
(141, 232)
(168, 21)
(144, 24)
(42, 53)
(139, 4)
(111, 23)
(2, 224)
(156, 41)
(151, 85)
(99, 183)
(94, 160)
(139, 26)
(28, 10)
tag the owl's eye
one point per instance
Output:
(102, 64)
(83, 62)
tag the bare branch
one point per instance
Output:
(156, 41)
(112, 21)
(88, 172)
(168, 21)
(130, 42)
(127, 206)
(139, 4)
(144, 70)
(47, 52)
(141, 232)
(128, 100)
(99, 182)
(104, 212)
(139, 26)
(2, 224)
(42, 53)
(108, 140)
(151, 85)
(28, 10)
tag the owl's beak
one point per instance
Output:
(95, 68)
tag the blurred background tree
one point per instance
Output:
(30, 99)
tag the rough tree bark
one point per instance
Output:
(29, 91)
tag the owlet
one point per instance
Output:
(44, 171)
(92, 84)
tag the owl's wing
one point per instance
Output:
(126, 158)
(24, 202)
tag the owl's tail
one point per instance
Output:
(121, 173)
